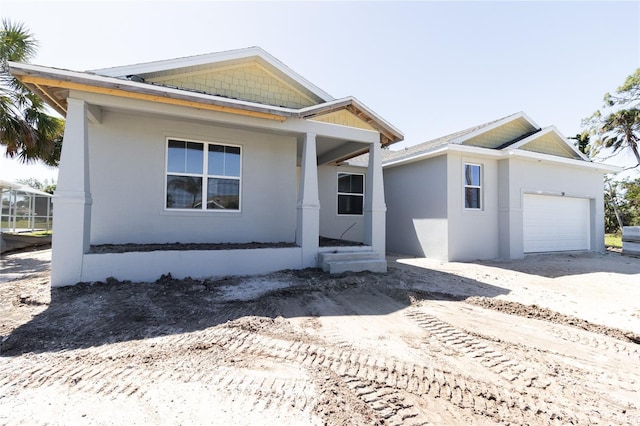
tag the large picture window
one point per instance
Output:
(350, 193)
(473, 186)
(199, 171)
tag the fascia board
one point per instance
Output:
(418, 157)
(535, 156)
(229, 55)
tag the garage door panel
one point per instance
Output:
(555, 223)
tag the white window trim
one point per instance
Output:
(204, 176)
(465, 186)
(338, 193)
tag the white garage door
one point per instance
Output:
(556, 223)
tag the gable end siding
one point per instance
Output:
(548, 144)
(247, 82)
(499, 136)
(344, 118)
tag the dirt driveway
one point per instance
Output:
(547, 340)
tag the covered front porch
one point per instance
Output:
(318, 145)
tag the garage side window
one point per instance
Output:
(201, 170)
(473, 186)
(350, 193)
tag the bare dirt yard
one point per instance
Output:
(552, 339)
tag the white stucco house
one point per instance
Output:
(231, 147)
(495, 191)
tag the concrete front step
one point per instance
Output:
(336, 263)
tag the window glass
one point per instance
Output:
(223, 194)
(350, 204)
(473, 186)
(184, 192)
(472, 174)
(184, 157)
(224, 160)
(187, 179)
(350, 193)
(350, 183)
(472, 198)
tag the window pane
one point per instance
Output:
(350, 204)
(184, 192)
(223, 194)
(472, 198)
(224, 160)
(194, 157)
(472, 175)
(216, 160)
(350, 183)
(176, 156)
(184, 157)
(232, 161)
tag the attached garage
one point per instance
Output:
(555, 223)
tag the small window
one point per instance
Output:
(191, 175)
(350, 193)
(473, 186)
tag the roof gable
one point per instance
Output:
(549, 141)
(249, 74)
(344, 118)
(501, 132)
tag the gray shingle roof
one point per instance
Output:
(389, 155)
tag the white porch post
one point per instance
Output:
(374, 206)
(72, 199)
(308, 226)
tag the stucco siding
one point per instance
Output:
(536, 177)
(472, 234)
(333, 225)
(129, 194)
(416, 197)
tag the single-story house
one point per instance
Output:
(499, 190)
(222, 153)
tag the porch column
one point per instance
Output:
(72, 222)
(308, 226)
(374, 206)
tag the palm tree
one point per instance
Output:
(620, 130)
(26, 130)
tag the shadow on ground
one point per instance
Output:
(88, 315)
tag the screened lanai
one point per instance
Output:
(24, 209)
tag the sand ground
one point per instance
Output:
(551, 339)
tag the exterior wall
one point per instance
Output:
(472, 234)
(416, 197)
(127, 155)
(520, 176)
(333, 225)
(188, 263)
(247, 82)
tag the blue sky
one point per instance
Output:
(430, 68)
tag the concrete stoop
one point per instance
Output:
(351, 261)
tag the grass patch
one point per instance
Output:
(613, 240)
(38, 233)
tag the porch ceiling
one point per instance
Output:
(331, 151)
